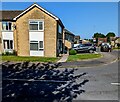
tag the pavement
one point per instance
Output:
(64, 58)
(107, 57)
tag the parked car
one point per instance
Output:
(106, 47)
(85, 48)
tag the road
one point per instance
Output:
(105, 59)
(102, 81)
(99, 86)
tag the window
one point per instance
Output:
(35, 45)
(59, 29)
(40, 44)
(36, 25)
(6, 26)
(8, 44)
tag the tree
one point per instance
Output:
(98, 35)
(110, 34)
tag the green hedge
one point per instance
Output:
(72, 52)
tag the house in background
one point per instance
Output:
(101, 40)
(117, 42)
(84, 41)
(31, 32)
(69, 39)
(77, 39)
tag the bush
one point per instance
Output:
(9, 53)
(72, 52)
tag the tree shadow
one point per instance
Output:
(39, 82)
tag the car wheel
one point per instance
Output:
(91, 51)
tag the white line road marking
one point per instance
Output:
(115, 83)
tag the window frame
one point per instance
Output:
(9, 47)
(38, 21)
(41, 48)
(38, 42)
(7, 23)
(59, 29)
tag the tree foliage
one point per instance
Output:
(98, 35)
(110, 34)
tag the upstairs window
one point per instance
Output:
(59, 29)
(36, 25)
(6, 26)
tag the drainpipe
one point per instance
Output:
(63, 41)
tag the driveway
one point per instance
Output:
(108, 57)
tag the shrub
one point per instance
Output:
(9, 53)
(14, 53)
(72, 52)
(3, 53)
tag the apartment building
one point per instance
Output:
(31, 32)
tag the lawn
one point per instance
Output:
(116, 48)
(79, 57)
(31, 59)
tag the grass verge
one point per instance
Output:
(31, 59)
(116, 48)
(79, 57)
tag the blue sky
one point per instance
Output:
(81, 18)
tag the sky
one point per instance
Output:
(80, 18)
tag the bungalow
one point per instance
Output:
(31, 32)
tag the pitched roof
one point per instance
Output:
(9, 14)
(68, 32)
(35, 5)
(14, 15)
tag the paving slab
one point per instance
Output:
(64, 58)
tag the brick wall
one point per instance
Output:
(21, 33)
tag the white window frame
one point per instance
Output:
(42, 45)
(36, 20)
(38, 42)
(6, 22)
(8, 45)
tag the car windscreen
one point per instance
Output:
(88, 44)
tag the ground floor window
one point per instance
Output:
(8, 44)
(60, 46)
(36, 45)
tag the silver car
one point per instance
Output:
(85, 48)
